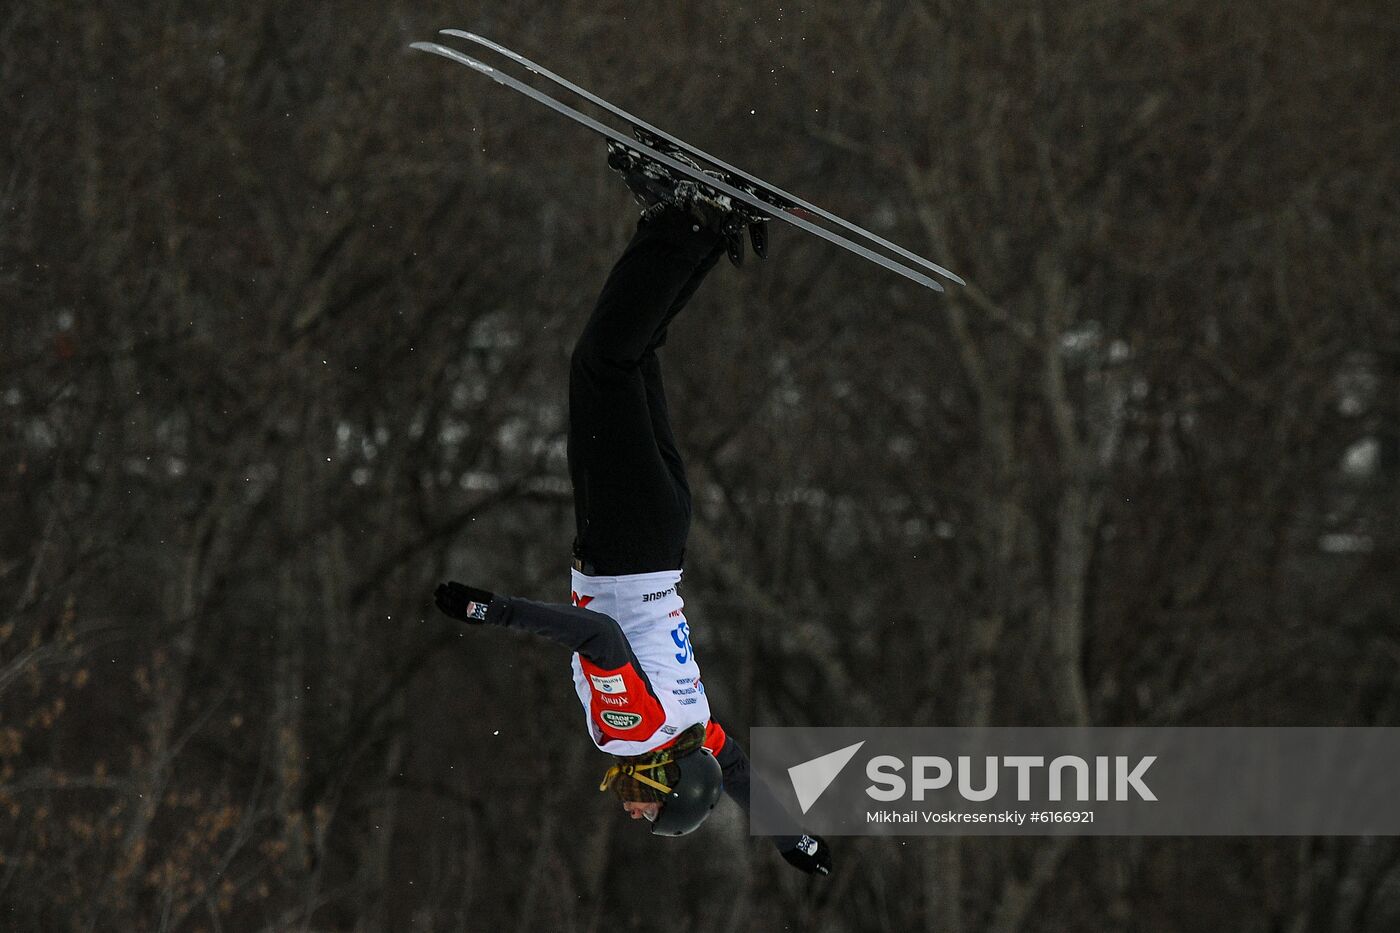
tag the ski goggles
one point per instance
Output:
(636, 771)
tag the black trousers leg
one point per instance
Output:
(631, 500)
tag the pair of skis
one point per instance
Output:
(755, 192)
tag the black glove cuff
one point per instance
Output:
(811, 855)
(462, 602)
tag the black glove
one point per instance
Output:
(811, 854)
(464, 603)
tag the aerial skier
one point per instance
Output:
(634, 668)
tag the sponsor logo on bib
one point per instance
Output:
(622, 721)
(611, 684)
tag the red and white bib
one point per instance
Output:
(624, 718)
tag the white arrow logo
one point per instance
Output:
(811, 778)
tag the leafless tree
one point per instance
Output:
(290, 310)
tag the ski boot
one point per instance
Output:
(653, 185)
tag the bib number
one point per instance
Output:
(681, 636)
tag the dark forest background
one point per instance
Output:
(287, 314)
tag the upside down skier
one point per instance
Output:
(634, 669)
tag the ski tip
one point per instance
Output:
(435, 49)
(455, 56)
(493, 46)
(483, 41)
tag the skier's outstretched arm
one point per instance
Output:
(593, 635)
(807, 852)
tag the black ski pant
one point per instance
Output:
(631, 499)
